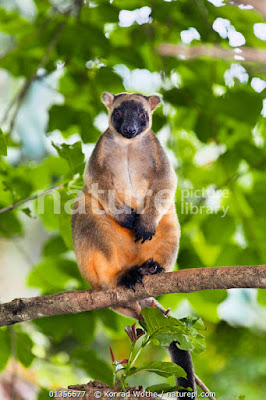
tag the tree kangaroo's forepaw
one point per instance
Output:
(128, 220)
(143, 230)
(150, 267)
(143, 235)
(131, 277)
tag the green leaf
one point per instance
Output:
(27, 211)
(109, 318)
(54, 168)
(239, 104)
(109, 80)
(57, 327)
(218, 229)
(12, 22)
(10, 225)
(55, 274)
(67, 201)
(84, 49)
(196, 323)
(54, 246)
(43, 394)
(73, 155)
(206, 304)
(83, 327)
(70, 120)
(158, 121)
(166, 329)
(48, 208)
(3, 148)
(262, 297)
(23, 346)
(205, 127)
(163, 387)
(19, 183)
(89, 361)
(5, 346)
(104, 13)
(165, 369)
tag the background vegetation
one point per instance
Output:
(56, 59)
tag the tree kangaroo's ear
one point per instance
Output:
(154, 102)
(108, 99)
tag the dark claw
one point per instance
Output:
(132, 286)
(149, 261)
(158, 269)
(139, 280)
(144, 237)
(141, 233)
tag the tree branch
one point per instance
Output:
(259, 5)
(36, 196)
(184, 281)
(248, 53)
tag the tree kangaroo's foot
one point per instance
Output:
(131, 277)
(134, 274)
(150, 267)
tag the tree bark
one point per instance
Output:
(247, 53)
(184, 281)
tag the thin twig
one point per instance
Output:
(35, 76)
(36, 196)
(9, 108)
(79, 4)
(203, 387)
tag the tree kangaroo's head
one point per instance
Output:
(130, 113)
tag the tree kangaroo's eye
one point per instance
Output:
(118, 114)
(143, 116)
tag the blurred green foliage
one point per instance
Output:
(217, 139)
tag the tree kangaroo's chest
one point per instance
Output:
(131, 172)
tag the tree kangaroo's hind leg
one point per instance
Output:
(160, 253)
(104, 252)
(155, 256)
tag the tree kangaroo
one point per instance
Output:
(124, 221)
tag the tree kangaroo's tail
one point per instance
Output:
(183, 359)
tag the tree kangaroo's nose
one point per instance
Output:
(129, 126)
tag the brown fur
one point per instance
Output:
(129, 167)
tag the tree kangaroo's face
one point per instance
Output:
(130, 114)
